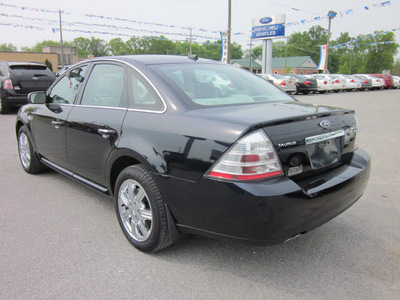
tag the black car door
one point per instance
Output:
(94, 125)
(49, 120)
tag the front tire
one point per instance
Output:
(28, 157)
(141, 210)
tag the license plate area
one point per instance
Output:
(325, 149)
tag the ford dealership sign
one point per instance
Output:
(268, 27)
(266, 20)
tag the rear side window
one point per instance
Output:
(142, 95)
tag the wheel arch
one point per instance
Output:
(119, 160)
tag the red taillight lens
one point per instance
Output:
(366, 82)
(352, 80)
(283, 83)
(252, 157)
(336, 81)
(7, 84)
(307, 82)
(325, 82)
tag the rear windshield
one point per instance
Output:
(205, 85)
(27, 67)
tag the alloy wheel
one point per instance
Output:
(135, 210)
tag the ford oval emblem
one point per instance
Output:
(325, 124)
(265, 20)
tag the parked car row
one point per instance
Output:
(323, 83)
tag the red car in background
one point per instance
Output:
(387, 78)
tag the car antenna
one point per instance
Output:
(193, 57)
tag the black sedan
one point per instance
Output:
(178, 157)
(304, 84)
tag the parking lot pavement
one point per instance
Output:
(61, 240)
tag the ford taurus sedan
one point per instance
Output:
(179, 157)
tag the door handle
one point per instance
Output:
(57, 123)
(106, 133)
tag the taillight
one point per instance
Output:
(336, 81)
(325, 82)
(352, 80)
(307, 82)
(283, 83)
(366, 82)
(7, 84)
(252, 157)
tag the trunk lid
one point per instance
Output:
(308, 138)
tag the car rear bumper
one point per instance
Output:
(264, 212)
(12, 98)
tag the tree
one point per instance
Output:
(7, 47)
(39, 46)
(117, 47)
(92, 46)
(48, 64)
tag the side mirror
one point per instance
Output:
(37, 97)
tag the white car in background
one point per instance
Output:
(324, 82)
(339, 83)
(284, 83)
(377, 83)
(396, 82)
(350, 83)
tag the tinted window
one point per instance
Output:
(218, 84)
(27, 67)
(105, 86)
(66, 89)
(143, 95)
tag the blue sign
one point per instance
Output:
(268, 31)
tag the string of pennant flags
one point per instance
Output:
(215, 33)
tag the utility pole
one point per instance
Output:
(61, 38)
(229, 32)
(331, 15)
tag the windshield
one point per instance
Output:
(217, 84)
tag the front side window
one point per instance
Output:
(65, 90)
(205, 84)
(105, 87)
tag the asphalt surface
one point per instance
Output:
(61, 240)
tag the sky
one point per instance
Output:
(26, 22)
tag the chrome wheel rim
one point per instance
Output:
(24, 150)
(135, 210)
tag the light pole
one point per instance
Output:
(229, 33)
(61, 38)
(331, 15)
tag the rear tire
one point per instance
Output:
(140, 209)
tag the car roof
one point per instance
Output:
(149, 59)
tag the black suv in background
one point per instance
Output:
(18, 79)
